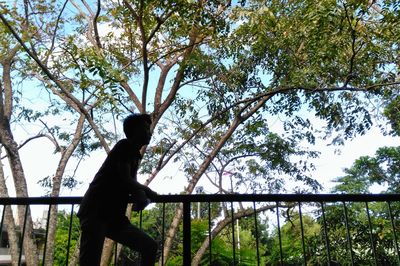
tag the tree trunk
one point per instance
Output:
(75, 256)
(220, 226)
(192, 184)
(11, 147)
(108, 250)
(56, 188)
(246, 111)
(9, 222)
(30, 249)
(51, 233)
(21, 189)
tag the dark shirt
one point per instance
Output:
(108, 193)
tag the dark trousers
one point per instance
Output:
(94, 232)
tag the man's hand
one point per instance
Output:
(141, 200)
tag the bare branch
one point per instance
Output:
(88, 7)
(139, 20)
(96, 32)
(55, 31)
(53, 138)
(40, 135)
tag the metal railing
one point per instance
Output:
(350, 206)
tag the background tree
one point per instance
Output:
(62, 234)
(381, 169)
(292, 242)
(9, 51)
(370, 241)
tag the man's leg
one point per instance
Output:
(92, 240)
(134, 238)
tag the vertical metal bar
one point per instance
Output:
(115, 253)
(186, 234)
(163, 234)
(2, 221)
(69, 233)
(256, 231)
(23, 235)
(140, 219)
(209, 234)
(371, 234)
(396, 245)
(348, 232)
(279, 232)
(328, 250)
(47, 234)
(140, 226)
(233, 235)
(302, 235)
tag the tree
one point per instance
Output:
(292, 243)
(370, 240)
(8, 54)
(63, 233)
(382, 169)
(246, 64)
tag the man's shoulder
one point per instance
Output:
(125, 148)
(123, 142)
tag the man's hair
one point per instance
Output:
(133, 121)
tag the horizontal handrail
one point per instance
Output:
(217, 198)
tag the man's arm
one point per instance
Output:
(125, 171)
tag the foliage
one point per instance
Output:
(221, 244)
(382, 169)
(292, 245)
(63, 232)
(360, 233)
(392, 112)
(364, 229)
(366, 172)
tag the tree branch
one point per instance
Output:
(139, 19)
(54, 34)
(96, 32)
(40, 135)
(65, 91)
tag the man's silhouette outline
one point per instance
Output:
(102, 210)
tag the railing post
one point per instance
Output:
(163, 234)
(256, 231)
(21, 245)
(2, 221)
(328, 251)
(69, 233)
(186, 234)
(233, 235)
(47, 234)
(303, 244)
(209, 234)
(396, 245)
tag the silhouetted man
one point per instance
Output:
(102, 211)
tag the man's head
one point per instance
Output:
(137, 128)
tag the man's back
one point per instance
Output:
(108, 193)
